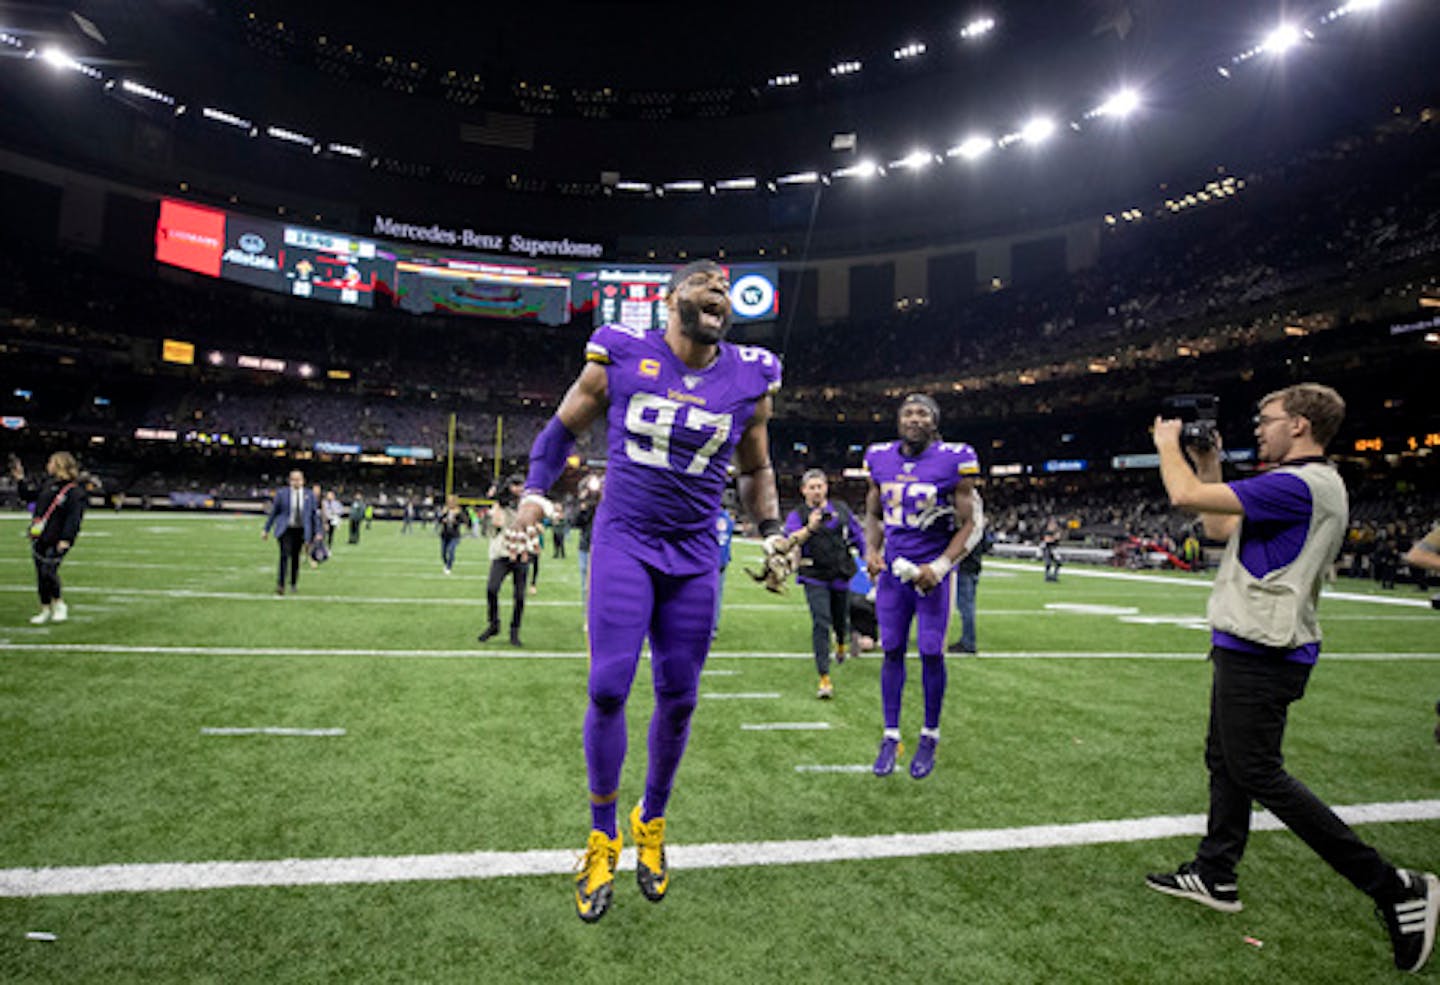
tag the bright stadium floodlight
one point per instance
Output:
(845, 68)
(633, 186)
(1037, 130)
(977, 28)
(230, 119)
(971, 148)
(864, 169)
(736, 184)
(912, 50)
(915, 160)
(689, 185)
(290, 136)
(346, 149)
(798, 178)
(1120, 105)
(1282, 39)
(58, 59)
(143, 90)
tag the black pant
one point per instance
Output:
(500, 569)
(355, 531)
(862, 615)
(829, 610)
(1249, 700)
(535, 568)
(292, 545)
(47, 571)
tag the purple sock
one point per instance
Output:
(669, 732)
(604, 755)
(933, 676)
(892, 686)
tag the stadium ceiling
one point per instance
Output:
(620, 98)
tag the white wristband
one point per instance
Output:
(547, 508)
(941, 567)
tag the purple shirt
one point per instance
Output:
(917, 495)
(1278, 508)
(671, 431)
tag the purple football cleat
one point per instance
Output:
(885, 761)
(924, 759)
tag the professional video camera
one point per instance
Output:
(1199, 414)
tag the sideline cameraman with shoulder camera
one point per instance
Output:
(826, 567)
(1283, 529)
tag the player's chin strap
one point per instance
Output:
(552, 447)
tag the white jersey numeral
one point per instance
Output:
(650, 420)
(903, 503)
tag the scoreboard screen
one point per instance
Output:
(481, 287)
(635, 296)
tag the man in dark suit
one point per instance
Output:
(295, 520)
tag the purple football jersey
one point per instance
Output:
(917, 495)
(671, 432)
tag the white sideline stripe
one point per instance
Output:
(834, 768)
(740, 695)
(126, 649)
(703, 673)
(269, 730)
(172, 876)
(299, 598)
(785, 727)
(1202, 582)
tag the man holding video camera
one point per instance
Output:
(826, 566)
(1283, 529)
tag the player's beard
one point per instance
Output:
(700, 324)
(922, 438)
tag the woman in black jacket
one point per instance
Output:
(59, 507)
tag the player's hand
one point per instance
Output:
(925, 579)
(777, 565)
(63, 546)
(1167, 432)
(817, 517)
(264, 535)
(874, 562)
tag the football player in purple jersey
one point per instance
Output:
(920, 521)
(678, 404)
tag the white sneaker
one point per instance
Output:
(42, 618)
(59, 612)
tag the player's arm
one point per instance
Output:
(874, 531)
(271, 518)
(1426, 552)
(933, 573)
(1201, 492)
(756, 479)
(581, 407)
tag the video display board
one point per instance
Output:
(343, 269)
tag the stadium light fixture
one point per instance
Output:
(798, 178)
(230, 119)
(11, 40)
(633, 186)
(736, 184)
(912, 50)
(1038, 130)
(1119, 105)
(977, 28)
(971, 148)
(1282, 39)
(845, 68)
(290, 136)
(688, 185)
(781, 81)
(58, 59)
(864, 169)
(346, 149)
(915, 160)
(145, 91)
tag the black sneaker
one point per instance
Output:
(515, 638)
(489, 633)
(1188, 883)
(1411, 919)
(960, 648)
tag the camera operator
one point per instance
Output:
(1283, 529)
(826, 567)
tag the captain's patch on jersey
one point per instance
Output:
(650, 368)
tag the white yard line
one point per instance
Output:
(271, 730)
(741, 695)
(1198, 581)
(171, 876)
(128, 649)
(785, 727)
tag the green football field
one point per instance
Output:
(420, 824)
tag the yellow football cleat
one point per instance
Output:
(651, 872)
(826, 689)
(595, 886)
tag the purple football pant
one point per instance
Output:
(629, 601)
(897, 604)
